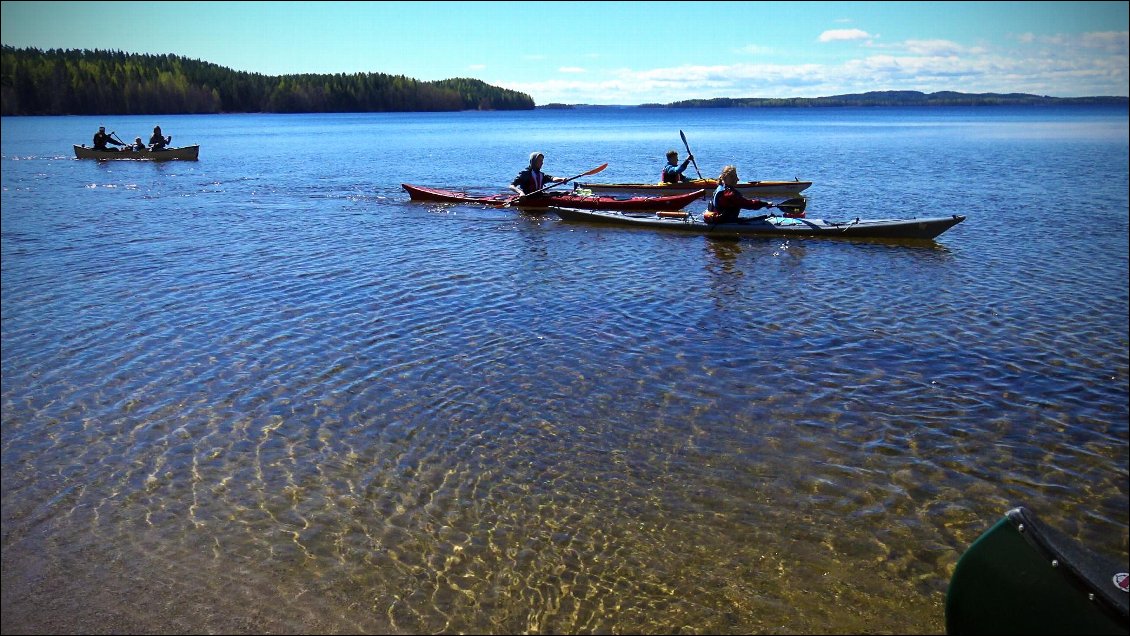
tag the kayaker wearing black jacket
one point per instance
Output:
(727, 203)
(673, 172)
(532, 178)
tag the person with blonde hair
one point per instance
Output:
(727, 202)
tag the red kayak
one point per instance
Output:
(558, 199)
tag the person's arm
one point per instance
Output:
(752, 204)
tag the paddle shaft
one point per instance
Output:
(690, 154)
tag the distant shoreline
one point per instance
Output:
(874, 99)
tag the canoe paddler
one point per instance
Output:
(532, 179)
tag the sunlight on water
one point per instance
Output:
(254, 395)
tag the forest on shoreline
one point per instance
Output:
(82, 82)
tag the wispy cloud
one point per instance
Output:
(933, 48)
(836, 35)
(753, 49)
(1113, 42)
(571, 69)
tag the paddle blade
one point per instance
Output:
(793, 206)
(593, 171)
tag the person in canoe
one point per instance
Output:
(727, 203)
(138, 145)
(101, 139)
(673, 172)
(532, 179)
(158, 141)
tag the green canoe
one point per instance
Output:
(1024, 577)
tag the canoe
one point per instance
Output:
(567, 199)
(919, 228)
(184, 153)
(1025, 577)
(748, 189)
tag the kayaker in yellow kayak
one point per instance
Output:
(673, 172)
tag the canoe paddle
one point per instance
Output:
(688, 147)
(556, 183)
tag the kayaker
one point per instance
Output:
(727, 203)
(101, 139)
(532, 179)
(157, 141)
(673, 172)
(138, 145)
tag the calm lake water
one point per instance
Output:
(265, 392)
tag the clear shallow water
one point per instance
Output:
(266, 392)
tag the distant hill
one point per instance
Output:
(82, 82)
(892, 98)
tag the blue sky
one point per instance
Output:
(625, 52)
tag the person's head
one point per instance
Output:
(137, 140)
(157, 129)
(729, 175)
(672, 156)
(536, 159)
(101, 129)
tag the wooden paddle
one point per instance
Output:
(688, 147)
(554, 184)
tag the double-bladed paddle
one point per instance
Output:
(691, 154)
(791, 206)
(554, 184)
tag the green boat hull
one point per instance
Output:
(1023, 577)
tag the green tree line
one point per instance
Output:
(83, 82)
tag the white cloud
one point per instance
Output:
(571, 69)
(1089, 64)
(836, 35)
(938, 48)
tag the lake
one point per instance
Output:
(265, 392)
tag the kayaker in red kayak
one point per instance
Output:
(727, 203)
(532, 178)
(673, 172)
